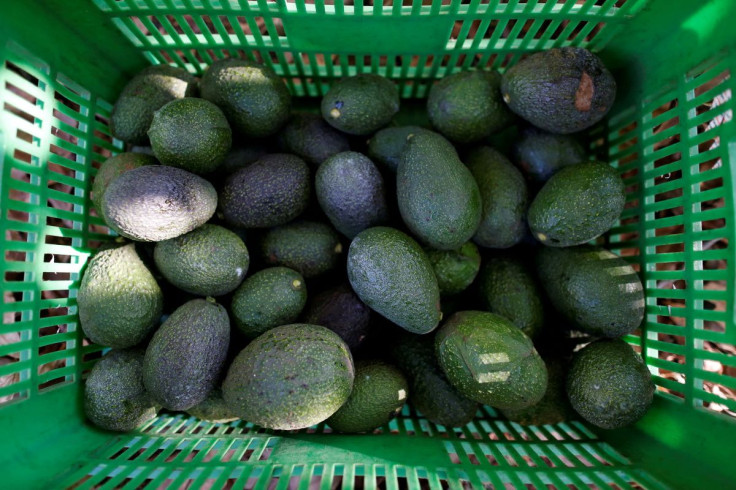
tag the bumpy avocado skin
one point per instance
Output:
(311, 138)
(361, 104)
(112, 168)
(308, 247)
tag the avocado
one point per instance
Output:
(270, 192)
(455, 269)
(143, 95)
(609, 385)
(577, 205)
(562, 90)
(507, 287)
(190, 133)
(504, 195)
(156, 202)
(431, 392)
(311, 138)
(554, 407)
(114, 395)
(379, 392)
(267, 299)
(111, 169)
(291, 377)
(241, 156)
(438, 197)
(539, 154)
(361, 104)
(340, 310)
(467, 107)
(593, 288)
(208, 261)
(119, 300)
(253, 97)
(213, 409)
(350, 191)
(308, 247)
(386, 145)
(186, 356)
(390, 273)
(489, 360)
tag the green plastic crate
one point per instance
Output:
(62, 63)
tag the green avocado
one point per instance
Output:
(119, 300)
(577, 205)
(438, 197)
(392, 275)
(361, 104)
(308, 247)
(539, 154)
(609, 385)
(291, 377)
(561, 90)
(311, 138)
(112, 168)
(455, 269)
(213, 409)
(386, 145)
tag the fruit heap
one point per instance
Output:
(384, 263)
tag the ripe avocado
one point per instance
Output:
(270, 192)
(455, 269)
(112, 169)
(241, 156)
(291, 377)
(155, 202)
(186, 356)
(508, 288)
(361, 104)
(119, 300)
(308, 247)
(577, 204)
(311, 138)
(609, 385)
(114, 395)
(438, 197)
(467, 107)
(562, 90)
(208, 261)
(190, 133)
(254, 99)
(593, 288)
(350, 191)
(340, 310)
(489, 360)
(504, 196)
(392, 275)
(539, 155)
(267, 299)
(213, 409)
(386, 145)
(379, 392)
(144, 94)
(431, 392)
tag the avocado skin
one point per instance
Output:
(270, 192)
(114, 396)
(143, 95)
(190, 133)
(254, 99)
(361, 104)
(438, 197)
(112, 168)
(467, 107)
(351, 192)
(593, 288)
(609, 385)
(455, 269)
(308, 247)
(577, 205)
(505, 199)
(186, 356)
(562, 90)
(539, 154)
(240, 157)
(386, 145)
(291, 377)
(340, 310)
(119, 300)
(312, 139)
(213, 409)
(390, 273)
(155, 202)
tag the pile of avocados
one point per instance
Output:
(293, 268)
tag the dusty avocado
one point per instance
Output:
(112, 168)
